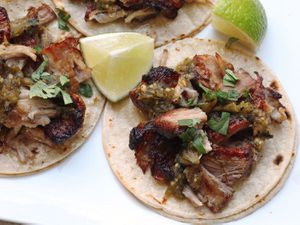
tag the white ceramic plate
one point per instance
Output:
(83, 190)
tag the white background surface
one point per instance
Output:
(83, 190)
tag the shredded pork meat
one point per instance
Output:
(65, 58)
(16, 51)
(30, 112)
(210, 190)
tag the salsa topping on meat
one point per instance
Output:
(207, 124)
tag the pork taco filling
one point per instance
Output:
(41, 84)
(207, 125)
(107, 11)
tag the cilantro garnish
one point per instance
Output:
(63, 80)
(63, 18)
(229, 79)
(38, 49)
(39, 73)
(188, 135)
(86, 90)
(41, 89)
(66, 97)
(191, 135)
(220, 125)
(192, 102)
(189, 122)
(231, 95)
(198, 144)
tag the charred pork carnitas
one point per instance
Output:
(106, 11)
(39, 90)
(4, 25)
(207, 124)
(28, 29)
(36, 17)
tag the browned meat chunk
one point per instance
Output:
(210, 190)
(90, 8)
(258, 93)
(155, 151)
(267, 100)
(162, 90)
(4, 25)
(109, 11)
(229, 164)
(35, 17)
(31, 37)
(276, 110)
(65, 58)
(168, 8)
(245, 81)
(131, 3)
(167, 124)
(165, 76)
(139, 139)
(155, 94)
(68, 123)
(209, 73)
(236, 124)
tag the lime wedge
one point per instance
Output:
(242, 19)
(118, 61)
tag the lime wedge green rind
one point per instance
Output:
(247, 15)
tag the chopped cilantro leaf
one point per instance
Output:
(198, 144)
(205, 89)
(188, 135)
(86, 90)
(66, 97)
(43, 90)
(39, 73)
(64, 80)
(192, 102)
(189, 122)
(229, 79)
(38, 49)
(231, 95)
(63, 18)
(220, 125)
(192, 136)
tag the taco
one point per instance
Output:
(49, 105)
(207, 136)
(163, 20)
